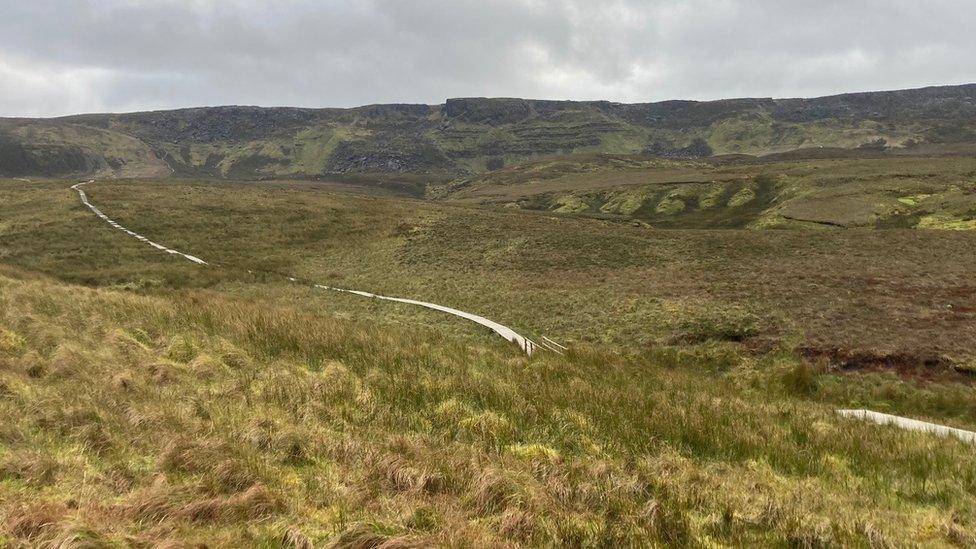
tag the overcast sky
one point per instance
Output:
(70, 56)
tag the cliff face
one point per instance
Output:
(467, 135)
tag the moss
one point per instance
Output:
(570, 203)
(624, 202)
(746, 133)
(710, 197)
(671, 204)
(913, 200)
(945, 222)
(742, 197)
(313, 147)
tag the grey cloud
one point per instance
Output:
(60, 56)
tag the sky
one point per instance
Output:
(71, 56)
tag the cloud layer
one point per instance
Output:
(60, 56)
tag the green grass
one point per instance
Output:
(208, 419)
(157, 401)
(53, 148)
(577, 280)
(736, 193)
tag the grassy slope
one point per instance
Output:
(180, 403)
(873, 293)
(57, 148)
(209, 419)
(926, 192)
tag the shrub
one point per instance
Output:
(801, 379)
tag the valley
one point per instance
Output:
(179, 367)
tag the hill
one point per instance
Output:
(805, 189)
(470, 136)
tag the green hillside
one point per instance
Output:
(903, 295)
(150, 401)
(805, 189)
(470, 136)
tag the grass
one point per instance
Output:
(208, 419)
(53, 148)
(158, 402)
(866, 292)
(868, 192)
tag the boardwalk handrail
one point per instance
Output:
(523, 342)
(551, 342)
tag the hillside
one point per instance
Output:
(804, 190)
(843, 296)
(470, 136)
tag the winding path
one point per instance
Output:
(524, 343)
(105, 218)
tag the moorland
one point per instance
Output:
(717, 309)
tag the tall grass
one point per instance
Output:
(209, 419)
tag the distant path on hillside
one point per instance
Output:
(524, 343)
(105, 218)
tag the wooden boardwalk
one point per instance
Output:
(524, 343)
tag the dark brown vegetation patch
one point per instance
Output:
(920, 367)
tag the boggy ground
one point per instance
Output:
(865, 294)
(200, 418)
(154, 401)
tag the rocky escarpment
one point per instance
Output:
(470, 135)
(18, 159)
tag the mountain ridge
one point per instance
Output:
(531, 99)
(468, 135)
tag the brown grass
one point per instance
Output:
(300, 430)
